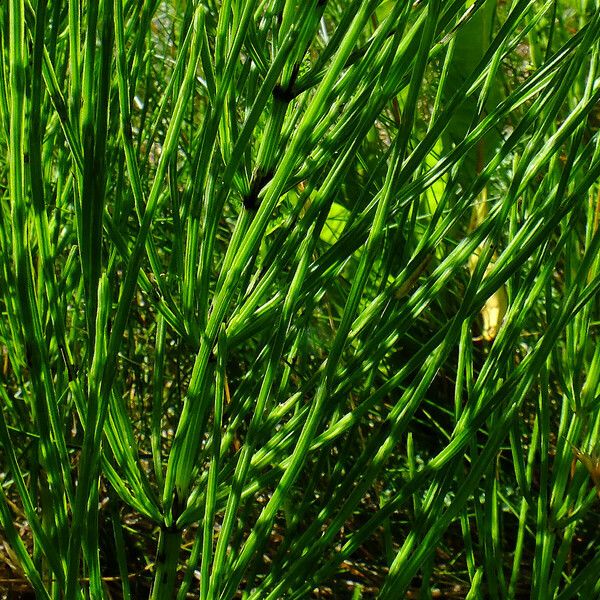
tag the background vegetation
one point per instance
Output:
(299, 299)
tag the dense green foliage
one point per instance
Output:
(300, 295)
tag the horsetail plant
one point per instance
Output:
(299, 298)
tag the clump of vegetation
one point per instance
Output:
(299, 299)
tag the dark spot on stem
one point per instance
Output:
(288, 93)
(259, 181)
(127, 131)
(178, 507)
(171, 528)
(285, 95)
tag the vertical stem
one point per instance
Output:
(167, 558)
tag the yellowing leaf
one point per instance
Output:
(493, 312)
(591, 462)
(496, 305)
